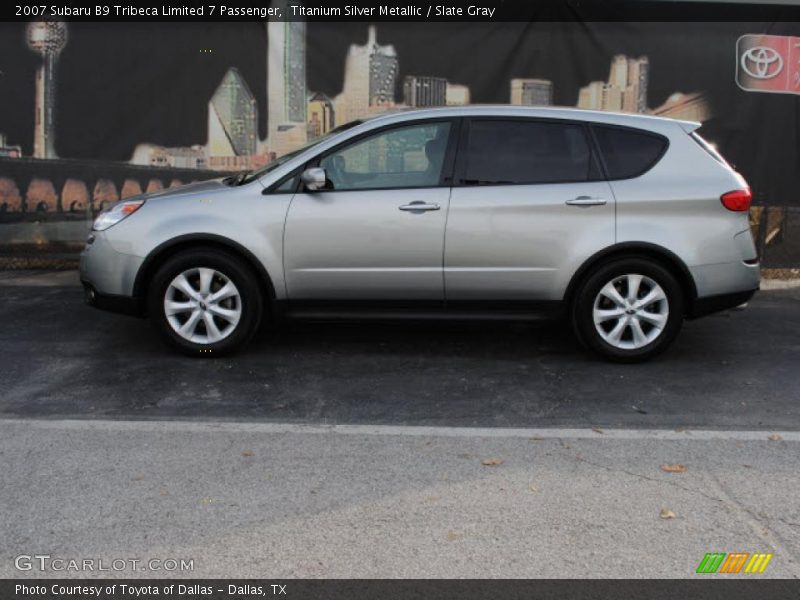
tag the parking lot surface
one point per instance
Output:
(734, 370)
(414, 450)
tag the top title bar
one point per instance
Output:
(382, 11)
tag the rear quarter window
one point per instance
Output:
(628, 153)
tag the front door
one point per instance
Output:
(377, 231)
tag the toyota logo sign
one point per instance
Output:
(768, 63)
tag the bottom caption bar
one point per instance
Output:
(396, 589)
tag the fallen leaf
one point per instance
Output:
(247, 453)
(138, 477)
(775, 437)
(666, 514)
(680, 429)
(452, 536)
(597, 430)
(668, 468)
(748, 466)
(533, 488)
(492, 462)
(639, 410)
(206, 501)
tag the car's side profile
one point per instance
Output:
(625, 223)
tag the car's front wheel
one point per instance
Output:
(629, 310)
(205, 302)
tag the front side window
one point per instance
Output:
(512, 152)
(401, 157)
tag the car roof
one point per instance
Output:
(550, 112)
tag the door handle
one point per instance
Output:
(586, 201)
(419, 206)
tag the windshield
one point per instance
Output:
(252, 175)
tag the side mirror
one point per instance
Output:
(314, 179)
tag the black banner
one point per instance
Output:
(414, 589)
(401, 10)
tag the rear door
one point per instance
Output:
(528, 207)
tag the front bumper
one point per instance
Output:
(126, 305)
(108, 276)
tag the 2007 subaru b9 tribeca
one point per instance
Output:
(627, 223)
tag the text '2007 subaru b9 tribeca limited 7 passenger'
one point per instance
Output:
(628, 223)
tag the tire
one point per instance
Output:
(621, 330)
(223, 300)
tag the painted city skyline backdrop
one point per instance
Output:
(227, 97)
(371, 82)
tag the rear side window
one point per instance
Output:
(506, 152)
(627, 152)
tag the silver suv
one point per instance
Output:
(627, 224)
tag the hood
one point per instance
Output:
(198, 187)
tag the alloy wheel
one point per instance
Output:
(630, 311)
(202, 305)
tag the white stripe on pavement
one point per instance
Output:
(405, 430)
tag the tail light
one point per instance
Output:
(737, 200)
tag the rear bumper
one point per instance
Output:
(711, 304)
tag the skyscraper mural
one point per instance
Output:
(286, 84)
(233, 118)
(206, 106)
(370, 78)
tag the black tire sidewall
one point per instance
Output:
(232, 267)
(583, 305)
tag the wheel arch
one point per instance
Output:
(659, 254)
(167, 249)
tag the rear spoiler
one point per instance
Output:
(689, 126)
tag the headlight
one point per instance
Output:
(116, 213)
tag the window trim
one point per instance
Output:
(601, 155)
(273, 189)
(461, 166)
(445, 178)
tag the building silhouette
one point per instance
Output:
(232, 118)
(286, 85)
(591, 96)
(48, 38)
(688, 107)
(625, 90)
(7, 150)
(638, 74)
(424, 91)
(456, 94)
(531, 92)
(370, 77)
(180, 157)
(321, 115)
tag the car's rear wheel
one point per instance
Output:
(628, 310)
(205, 302)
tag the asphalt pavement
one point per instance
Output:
(734, 370)
(414, 450)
